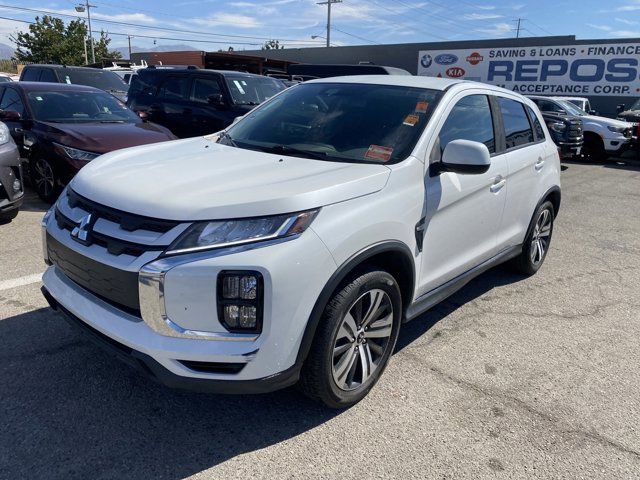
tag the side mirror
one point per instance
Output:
(216, 100)
(594, 112)
(620, 108)
(10, 115)
(464, 157)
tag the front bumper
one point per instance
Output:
(168, 340)
(618, 145)
(570, 149)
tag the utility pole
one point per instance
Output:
(328, 4)
(87, 7)
(518, 28)
(129, 38)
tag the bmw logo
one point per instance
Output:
(426, 60)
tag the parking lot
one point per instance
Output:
(510, 378)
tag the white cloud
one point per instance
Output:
(481, 16)
(626, 34)
(498, 29)
(626, 22)
(227, 19)
(630, 7)
(604, 28)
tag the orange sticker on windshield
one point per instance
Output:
(411, 120)
(421, 107)
(376, 152)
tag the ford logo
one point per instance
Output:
(446, 59)
(426, 60)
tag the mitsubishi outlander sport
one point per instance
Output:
(292, 246)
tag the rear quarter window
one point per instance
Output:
(30, 75)
(518, 131)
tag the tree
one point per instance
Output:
(272, 45)
(49, 40)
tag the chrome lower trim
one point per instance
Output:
(151, 279)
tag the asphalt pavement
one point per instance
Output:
(511, 377)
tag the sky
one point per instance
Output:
(247, 24)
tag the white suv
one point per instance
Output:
(293, 245)
(603, 137)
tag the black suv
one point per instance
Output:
(566, 130)
(91, 77)
(191, 101)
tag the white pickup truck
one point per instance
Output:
(603, 137)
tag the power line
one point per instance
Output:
(405, 24)
(166, 29)
(355, 36)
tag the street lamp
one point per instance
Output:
(313, 37)
(81, 8)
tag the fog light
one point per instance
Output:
(240, 300)
(17, 186)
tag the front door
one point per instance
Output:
(206, 117)
(463, 211)
(11, 101)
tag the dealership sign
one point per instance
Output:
(584, 70)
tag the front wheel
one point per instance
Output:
(536, 245)
(44, 179)
(356, 337)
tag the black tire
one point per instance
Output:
(44, 179)
(530, 260)
(6, 217)
(322, 367)
(593, 149)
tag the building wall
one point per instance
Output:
(406, 56)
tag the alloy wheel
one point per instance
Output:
(362, 339)
(541, 236)
(44, 178)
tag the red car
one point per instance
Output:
(59, 128)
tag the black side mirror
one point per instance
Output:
(593, 112)
(216, 100)
(10, 115)
(620, 108)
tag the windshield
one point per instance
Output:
(338, 122)
(636, 105)
(102, 79)
(252, 90)
(571, 109)
(79, 107)
(578, 103)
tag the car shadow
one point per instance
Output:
(32, 202)
(628, 161)
(71, 410)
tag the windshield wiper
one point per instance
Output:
(224, 135)
(292, 151)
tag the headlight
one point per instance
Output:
(4, 134)
(557, 127)
(617, 129)
(76, 154)
(226, 233)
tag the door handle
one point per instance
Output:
(18, 130)
(539, 164)
(498, 183)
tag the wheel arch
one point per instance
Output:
(392, 256)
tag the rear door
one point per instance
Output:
(172, 107)
(526, 158)
(205, 117)
(11, 100)
(463, 212)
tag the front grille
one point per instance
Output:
(575, 128)
(116, 287)
(120, 241)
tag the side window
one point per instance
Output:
(470, 119)
(31, 75)
(516, 123)
(175, 87)
(537, 127)
(547, 106)
(203, 88)
(11, 101)
(48, 76)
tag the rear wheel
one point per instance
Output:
(354, 341)
(536, 245)
(44, 179)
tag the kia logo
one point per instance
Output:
(475, 58)
(446, 59)
(455, 72)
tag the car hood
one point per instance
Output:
(198, 179)
(607, 122)
(630, 115)
(106, 137)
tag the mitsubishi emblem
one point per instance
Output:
(82, 233)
